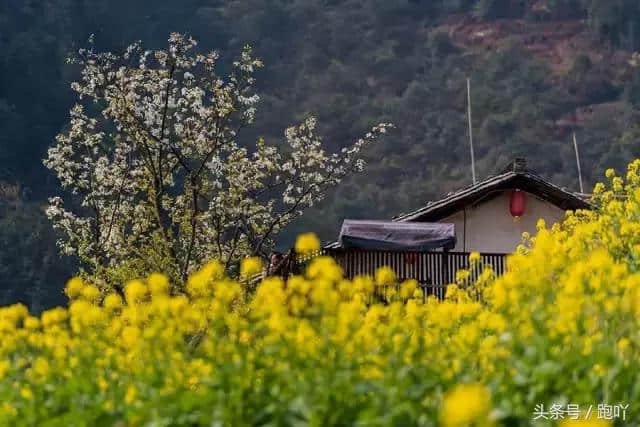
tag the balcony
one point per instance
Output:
(432, 270)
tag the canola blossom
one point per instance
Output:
(560, 327)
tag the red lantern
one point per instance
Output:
(517, 203)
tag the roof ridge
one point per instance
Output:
(488, 182)
(457, 192)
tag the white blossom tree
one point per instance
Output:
(154, 171)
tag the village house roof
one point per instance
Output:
(515, 176)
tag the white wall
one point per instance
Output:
(491, 228)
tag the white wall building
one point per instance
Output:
(482, 213)
(488, 217)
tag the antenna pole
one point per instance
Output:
(575, 147)
(473, 160)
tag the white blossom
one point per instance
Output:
(158, 173)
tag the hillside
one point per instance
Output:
(540, 70)
(535, 82)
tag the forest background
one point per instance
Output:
(540, 71)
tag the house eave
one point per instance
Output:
(525, 181)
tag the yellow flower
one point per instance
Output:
(135, 291)
(623, 344)
(4, 368)
(244, 337)
(53, 316)
(474, 257)
(193, 382)
(40, 367)
(227, 292)
(158, 284)
(130, 336)
(466, 405)
(363, 284)
(307, 243)
(324, 267)
(131, 394)
(213, 270)
(462, 275)
(8, 409)
(598, 189)
(385, 276)
(26, 393)
(305, 335)
(198, 285)
(407, 288)
(74, 287)
(31, 323)
(250, 267)
(107, 405)
(610, 173)
(103, 383)
(91, 293)
(112, 302)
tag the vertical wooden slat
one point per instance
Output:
(365, 267)
(351, 263)
(432, 270)
(424, 269)
(367, 261)
(392, 261)
(347, 264)
(433, 267)
(403, 266)
(355, 263)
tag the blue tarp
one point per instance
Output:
(396, 236)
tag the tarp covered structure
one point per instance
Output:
(396, 236)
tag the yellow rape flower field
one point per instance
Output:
(560, 329)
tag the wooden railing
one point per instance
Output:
(432, 270)
(437, 268)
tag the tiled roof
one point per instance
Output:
(521, 179)
(515, 176)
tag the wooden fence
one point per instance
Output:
(425, 267)
(433, 270)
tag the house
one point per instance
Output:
(483, 214)
(431, 243)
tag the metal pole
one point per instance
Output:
(473, 160)
(575, 146)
